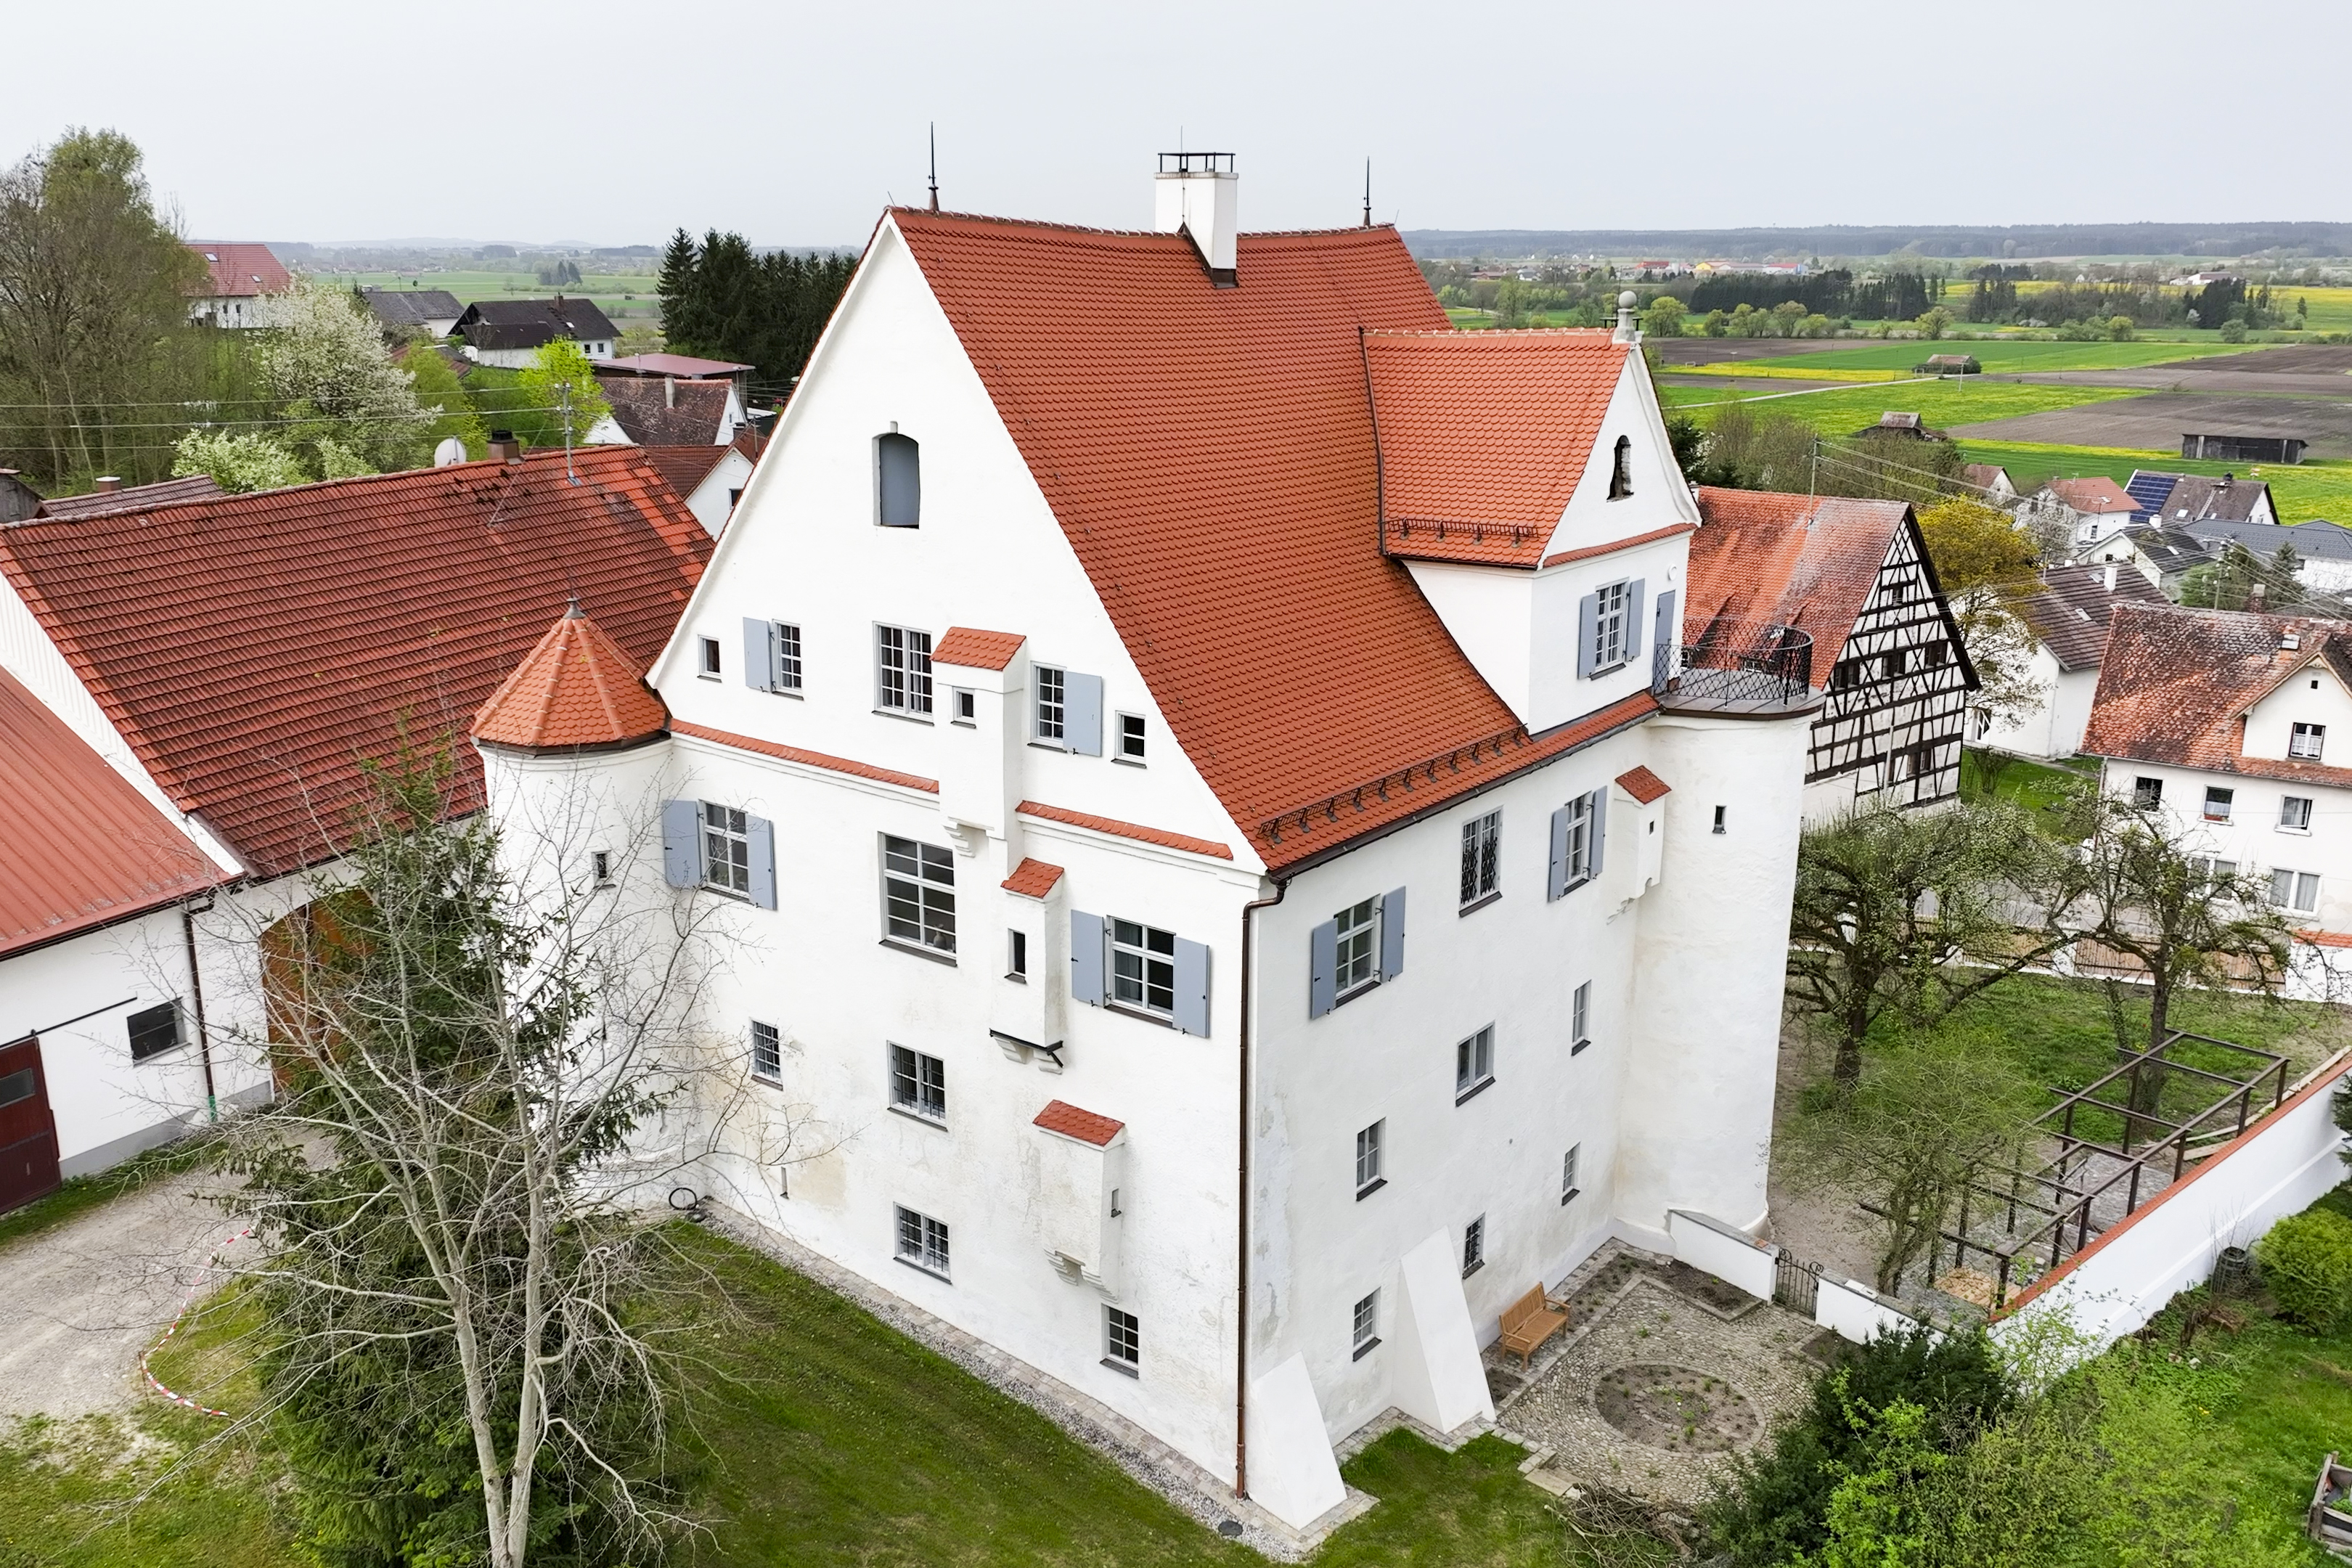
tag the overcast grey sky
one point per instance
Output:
(615, 123)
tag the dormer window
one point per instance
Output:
(1621, 471)
(897, 480)
(2305, 744)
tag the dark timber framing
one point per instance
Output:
(1898, 696)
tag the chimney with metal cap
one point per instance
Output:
(504, 447)
(1626, 332)
(107, 484)
(1194, 195)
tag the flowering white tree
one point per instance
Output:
(324, 360)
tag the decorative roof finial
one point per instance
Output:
(1368, 193)
(935, 165)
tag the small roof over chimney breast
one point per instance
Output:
(1194, 195)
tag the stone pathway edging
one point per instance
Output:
(1134, 1450)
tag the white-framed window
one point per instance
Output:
(787, 657)
(2294, 813)
(1474, 1246)
(1053, 704)
(902, 669)
(2218, 803)
(2295, 890)
(1481, 868)
(1368, 1179)
(2306, 741)
(767, 1051)
(1579, 1019)
(153, 1030)
(1359, 947)
(1568, 1187)
(709, 671)
(1611, 615)
(1123, 1340)
(918, 893)
(1474, 1063)
(726, 848)
(1143, 967)
(966, 709)
(922, 1242)
(2213, 867)
(1016, 956)
(918, 1083)
(2147, 794)
(1578, 848)
(1131, 738)
(1365, 1331)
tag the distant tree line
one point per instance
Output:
(1995, 298)
(1895, 296)
(723, 301)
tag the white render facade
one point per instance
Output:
(1614, 992)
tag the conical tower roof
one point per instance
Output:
(576, 689)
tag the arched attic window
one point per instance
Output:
(1621, 472)
(897, 480)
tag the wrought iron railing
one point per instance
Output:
(1759, 663)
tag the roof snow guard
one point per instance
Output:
(575, 692)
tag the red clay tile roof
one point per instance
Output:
(253, 650)
(1643, 785)
(684, 467)
(2070, 612)
(240, 267)
(79, 845)
(1808, 562)
(654, 411)
(1209, 455)
(2324, 938)
(806, 758)
(575, 689)
(977, 650)
(132, 498)
(1032, 878)
(2176, 681)
(1060, 1116)
(1111, 824)
(1592, 550)
(2097, 495)
(1484, 436)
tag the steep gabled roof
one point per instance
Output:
(411, 307)
(2199, 497)
(2071, 613)
(253, 650)
(655, 412)
(79, 848)
(1484, 436)
(1807, 562)
(576, 691)
(1209, 455)
(2176, 681)
(2097, 496)
(685, 468)
(241, 268)
(531, 323)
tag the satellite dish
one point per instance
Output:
(451, 451)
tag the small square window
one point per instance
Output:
(1579, 1019)
(1482, 871)
(2306, 741)
(1016, 955)
(1568, 1187)
(2294, 813)
(1123, 1340)
(154, 1031)
(1368, 1179)
(2217, 802)
(922, 1242)
(918, 1083)
(1130, 737)
(967, 706)
(767, 1052)
(2147, 794)
(710, 658)
(1367, 1326)
(1474, 1064)
(1474, 1246)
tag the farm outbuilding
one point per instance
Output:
(1948, 364)
(2244, 448)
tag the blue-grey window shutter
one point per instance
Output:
(1600, 826)
(762, 835)
(1392, 934)
(682, 843)
(1556, 879)
(759, 654)
(1082, 713)
(1086, 957)
(1322, 968)
(1588, 611)
(1664, 639)
(1633, 618)
(1192, 987)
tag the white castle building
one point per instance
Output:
(1209, 829)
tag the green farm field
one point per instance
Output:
(2302, 492)
(2002, 356)
(1942, 403)
(615, 293)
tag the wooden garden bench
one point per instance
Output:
(1528, 1323)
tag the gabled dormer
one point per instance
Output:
(1528, 482)
(2306, 717)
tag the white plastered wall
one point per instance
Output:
(2252, 837)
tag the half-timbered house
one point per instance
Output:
(1887, 654)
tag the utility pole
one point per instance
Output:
(568, 474)
(1813, 483)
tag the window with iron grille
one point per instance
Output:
(1053, 704)
(1568, 1187)
(918, 891)
(726, 848)
(1368, 1179)
(922, 1242)
(154, 1031)
(787, 657)
(1474, 1246)
(1579, 1019)
(1612, 610)
(902, 669)
(1366, 1330)
(918, 1083)
(767, 1051)
(2296, 891)
(2306, 741)
(1359, 946)
(1482, 872)
(1123, 1340)
(1474, 1063)
(1143, 967)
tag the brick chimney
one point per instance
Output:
(504, 447)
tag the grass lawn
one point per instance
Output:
(2008, 357)
(1844, 410)
(2029, 784)
(2300, 490)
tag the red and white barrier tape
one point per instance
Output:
(194, 1291)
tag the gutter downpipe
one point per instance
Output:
(196, 996)
(1242, 1212)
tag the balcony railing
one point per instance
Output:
(1736, 664)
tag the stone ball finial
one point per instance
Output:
(1626, 300)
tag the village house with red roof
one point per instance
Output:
(1234, 867)
(238, 275)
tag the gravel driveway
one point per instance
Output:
(81, 1301)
